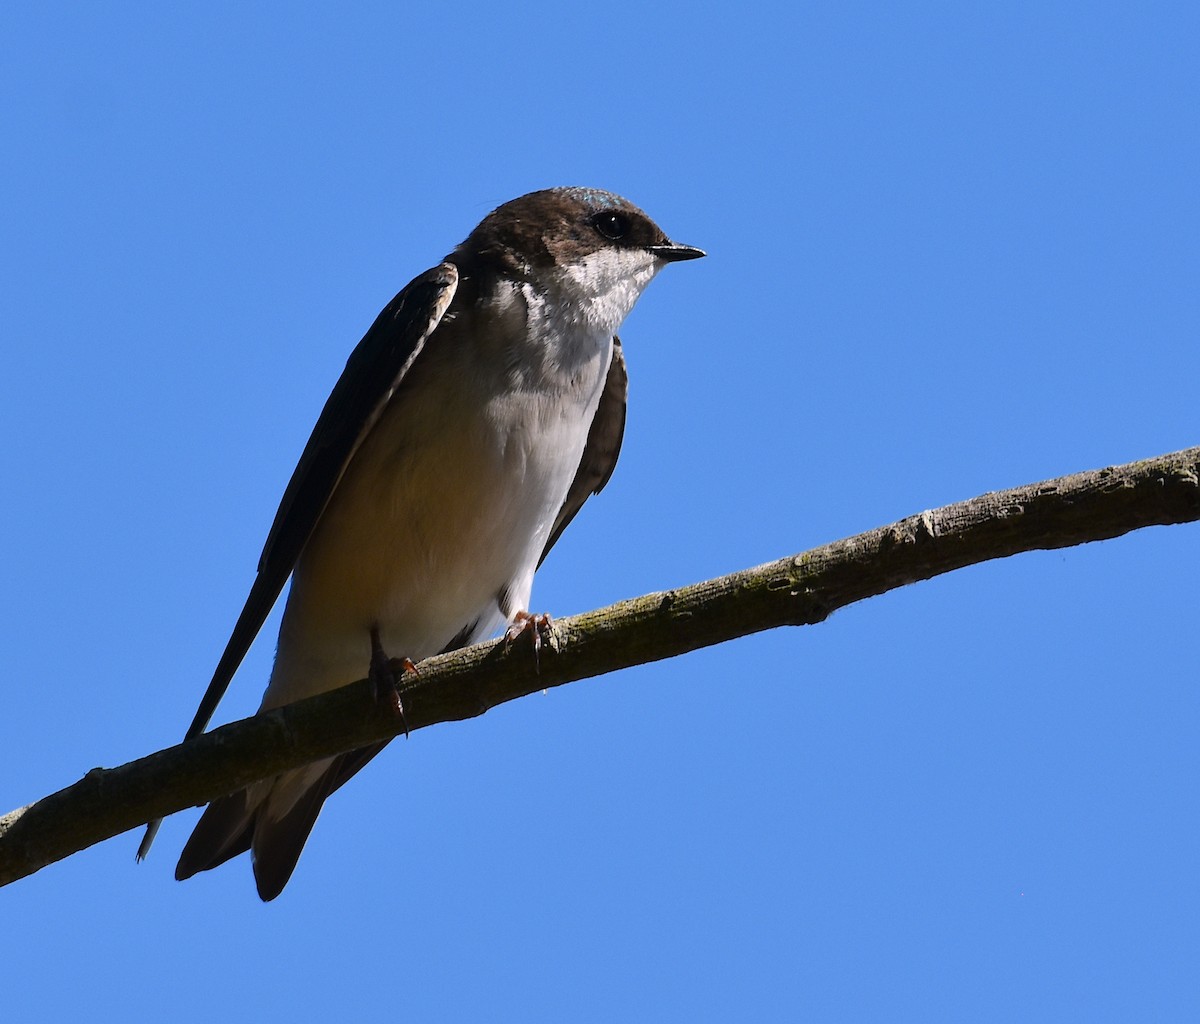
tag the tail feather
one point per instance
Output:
(278, 841)
(271, 820)
(223, 831)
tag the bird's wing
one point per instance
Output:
(602, 447)
(373, 373)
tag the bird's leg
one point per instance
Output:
(386, 674)
(538, 627)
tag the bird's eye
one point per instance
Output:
(613, 226)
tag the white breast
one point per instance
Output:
(449, 501)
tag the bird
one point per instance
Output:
(483, 407)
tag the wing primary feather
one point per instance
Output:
(374, 372)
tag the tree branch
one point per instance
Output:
(800, 590)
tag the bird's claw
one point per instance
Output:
(540, 629)
(385, 673)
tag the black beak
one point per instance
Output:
(672, 253)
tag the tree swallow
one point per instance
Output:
(477, 415)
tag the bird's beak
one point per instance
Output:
(671, 253)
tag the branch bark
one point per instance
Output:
(800, 590)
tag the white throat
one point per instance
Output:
(601, 288)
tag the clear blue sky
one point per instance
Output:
(954, 248)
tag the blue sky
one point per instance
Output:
(953, 248)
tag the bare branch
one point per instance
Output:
(799, 590)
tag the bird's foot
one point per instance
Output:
(539, 628)
(386, 674)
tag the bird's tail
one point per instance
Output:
(272, 819)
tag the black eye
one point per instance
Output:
(613, 226)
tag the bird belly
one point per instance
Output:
(432, 530)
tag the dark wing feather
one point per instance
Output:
(373, 372)
(602, 447)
